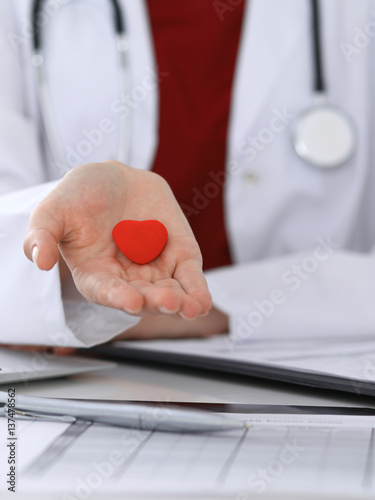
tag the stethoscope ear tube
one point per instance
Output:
(45, 106)
(37, 5)
(119, 25)
(44, 97)
(319, 85)
(123, 154)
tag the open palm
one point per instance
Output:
(76, 220)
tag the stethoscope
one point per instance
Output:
(323, 135)
(44, 98)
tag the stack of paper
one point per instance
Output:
(342, 364)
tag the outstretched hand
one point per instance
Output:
(76, 220)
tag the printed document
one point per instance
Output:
(277, 453)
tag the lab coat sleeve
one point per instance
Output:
(326, 292)
(33, 308)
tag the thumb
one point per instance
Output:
(43, 235)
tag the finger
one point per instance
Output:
(42, 238)
(41, 248)
(167, 297)
(190, 276)
(162, 297)
(109, 291)
(190, 308)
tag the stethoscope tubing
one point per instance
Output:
(319, 83)
(44, 97)
(119, 24)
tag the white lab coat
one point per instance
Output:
(302, 239)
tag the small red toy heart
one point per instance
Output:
(140, 241)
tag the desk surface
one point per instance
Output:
(164, 384)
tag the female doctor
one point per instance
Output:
(214, 96)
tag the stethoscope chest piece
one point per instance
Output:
(324, 136)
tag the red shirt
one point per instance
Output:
(197, 47)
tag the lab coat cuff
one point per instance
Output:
(92, 324)
(242, 326)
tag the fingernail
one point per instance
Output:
(164, 310)
(204, 315)
(129, 311)
(184, 317)
(35, 255)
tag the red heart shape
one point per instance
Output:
(140, 241)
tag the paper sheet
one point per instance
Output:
(277, 454)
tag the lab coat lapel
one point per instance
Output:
(270, 32)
